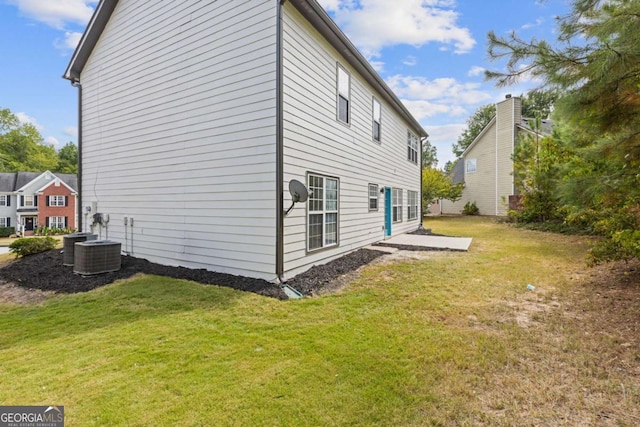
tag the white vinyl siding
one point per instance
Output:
(373, 197)
(396, 204)
(323, 212)
(179, 132)
(412, 205)
(377, 120)
(316, 141)
(344, 95)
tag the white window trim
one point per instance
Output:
(396, 204)
(57, 203)
(376, 119)
(412, 147)
(372, 197)
(3, 199)
(324, 212)
(346, 93)
(471, 166)
(58, 220)
(3, 221)
(412, 205)
(32, 205)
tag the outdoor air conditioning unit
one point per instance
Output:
(96, 256)
(68, 245)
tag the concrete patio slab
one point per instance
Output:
(430, 242)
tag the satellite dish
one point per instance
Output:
(299, 193)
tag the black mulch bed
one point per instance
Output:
(45, 271)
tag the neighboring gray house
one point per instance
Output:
(29, 200)
(486, 166)
(196, 116)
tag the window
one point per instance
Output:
(373, 197)
(28, 201)
(56, 200)
(5, 200)
(56, 222)
(412, 148)
(5, 222)
(471, 165)
(344, 95)
(396, 200)
(323, 212)
(412, 205)
(377, 120)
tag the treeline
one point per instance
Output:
(587, 173)
(22, 148)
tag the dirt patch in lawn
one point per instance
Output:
(36, 277)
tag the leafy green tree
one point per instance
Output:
(438, 185)
(429, 155)
(475, 124)
(68, 159)
(595, 64)
(22, 147)
(538, 103)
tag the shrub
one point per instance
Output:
(32, 245)
(7, 231)
(470, 208)
(48, 231)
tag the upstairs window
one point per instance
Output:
(396, 198)
(56, 201)
(373, 197)
(5, 200)
(28, 201)
(377, 120)
(412, 148)
(344, 95)
(471, 165)
(322, 217)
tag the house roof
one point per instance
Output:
(528, 123)
(7, 182)
(310, 9)
(22, 179)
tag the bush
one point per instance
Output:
(470, 208)
(7, 231)
(32, 245)
(48, 231)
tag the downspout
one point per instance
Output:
(76, 83)
(421, 226)
(279, 148)
(496, 167)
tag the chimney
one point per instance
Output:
(507, 96)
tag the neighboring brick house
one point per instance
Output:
(29, 200)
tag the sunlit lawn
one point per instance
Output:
(429, 341)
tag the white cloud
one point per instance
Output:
(443, 137)
(410, 61)
(529, 25)
(71, 131)
(71, 39)
(377, 65)
(52, 141)
(57, 13)
(445, 90)
(476, 71)
(24, 118)
(375, 24)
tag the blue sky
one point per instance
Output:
(430, 52)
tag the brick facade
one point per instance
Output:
(47, 208)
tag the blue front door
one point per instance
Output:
(387, 211)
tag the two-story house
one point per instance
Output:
(29, 200)
(196, 116)
(486, 166)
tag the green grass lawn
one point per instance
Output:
(435, 339)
